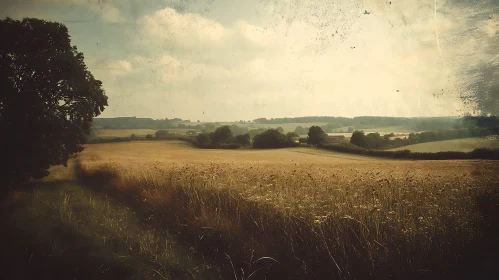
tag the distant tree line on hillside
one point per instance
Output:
(417, 124)
(368, 121)
(328, 128)
(387, 141)
(333, 124)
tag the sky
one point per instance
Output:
(227, 60)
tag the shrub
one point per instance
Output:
(203, 140)
(222, 135)
(270, 139)
(358, 138)
(316, 135)
(243, 140)
(161, 134)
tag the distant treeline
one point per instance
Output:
(387, 141)
(491, 154)
(418, 124)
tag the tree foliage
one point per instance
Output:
(253, 132)
(269, 139)
(374, 140)
(301, 130)
(243, 140)
(316, 135)
(48, 98)
(161, 134)
(222, 135)
(203, 139)
(358, 139)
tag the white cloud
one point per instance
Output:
(295, 59)
(186, 30)
(283, 65)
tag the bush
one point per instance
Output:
(270, 139)
(358, 139)
(222, 135)
(203, 140)
(149, 137)
(301, 130)
(316, 135)
(162, 134)
(243, 140)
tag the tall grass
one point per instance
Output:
(74, 228)
(407, 220)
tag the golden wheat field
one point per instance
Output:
(313, 212)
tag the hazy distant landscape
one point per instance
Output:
(247, 140)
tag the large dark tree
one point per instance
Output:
(48, 99)
(243, 140)
(359, 139)
(222, 135)
(270, 139)
(316, 135)
(161, 134)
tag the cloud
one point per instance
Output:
(283, 58)
(187, 30)
(285, 66)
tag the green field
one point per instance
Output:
(457, 145)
